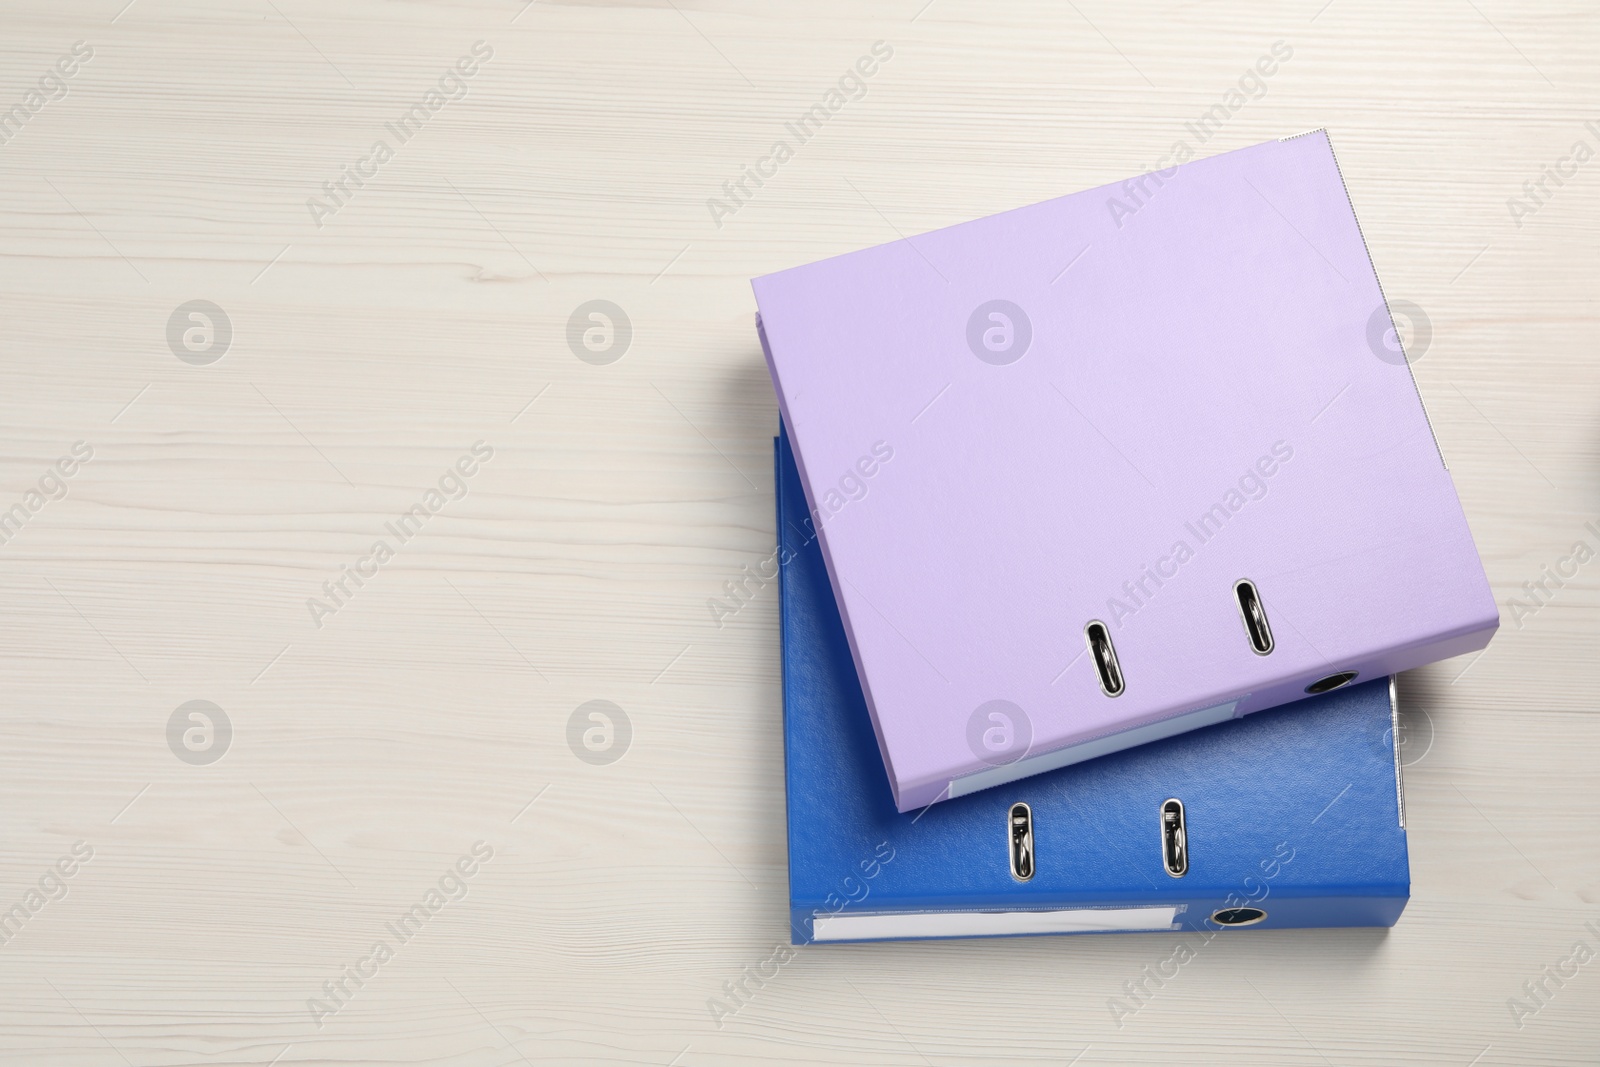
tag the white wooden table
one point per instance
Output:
(368, 340)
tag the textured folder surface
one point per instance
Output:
(1113, 406)
(1293, 810)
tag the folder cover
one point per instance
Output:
(1118, 465)
(1294, 813)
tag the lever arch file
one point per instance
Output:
(1118, 465)
(1289, 817)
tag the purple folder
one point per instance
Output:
(1127, 463)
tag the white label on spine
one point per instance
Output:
(866, 926)
(1100, 746)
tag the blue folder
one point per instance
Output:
(1291, 817)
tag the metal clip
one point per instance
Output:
(1019, 825)
(1105, 658)
(1174, 838)
(1254, 616)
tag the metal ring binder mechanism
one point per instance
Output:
(1287, 817)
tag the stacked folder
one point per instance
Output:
(1101, 537)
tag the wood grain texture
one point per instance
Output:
(429, 312)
